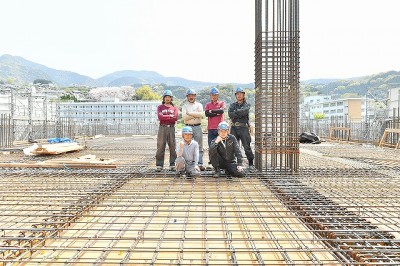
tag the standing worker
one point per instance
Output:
(192, 113)
(214, 110)
(239, 114)
(225, 153)
(188, 155)
(168, 115)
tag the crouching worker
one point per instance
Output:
(188, 155)
(225, 153)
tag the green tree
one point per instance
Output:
(42, 81)
(68, 97)
(146, 93)
(319, 116)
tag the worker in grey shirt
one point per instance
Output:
(188, 155)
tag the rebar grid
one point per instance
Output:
(277, 85)
(132, 215)
(341, 228)
(350, 155)
(162, 220)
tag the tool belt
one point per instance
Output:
(239, 124)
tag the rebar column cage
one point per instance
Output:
(277, 85)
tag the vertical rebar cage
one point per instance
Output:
(277, 85)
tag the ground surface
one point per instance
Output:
(342, 208)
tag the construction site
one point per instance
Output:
(110, 207)
(104, 203)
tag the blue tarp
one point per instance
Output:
(59, 140)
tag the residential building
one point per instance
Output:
(350, 109)
(110, 112)
(29, 104)
(394, 103)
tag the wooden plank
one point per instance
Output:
(55, 148)
(384, 136)
(55, 165)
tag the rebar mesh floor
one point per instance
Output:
(338, 210)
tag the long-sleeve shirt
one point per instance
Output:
(239, 112)
(167, 115)
(228, 149)
(215, 118)
(196, 113)
(190, 152)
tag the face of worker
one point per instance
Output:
(191, 98)
(214, 97)
(187, 137)
(167, 99)
(239, 96)
(223, 133)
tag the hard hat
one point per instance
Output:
(190, 91)
(239, 89)
(214, 91)
(187, 130)
(223, 126)
(167, 93)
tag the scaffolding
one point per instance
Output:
(277, 85)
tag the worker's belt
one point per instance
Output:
(164, 125)
(238, 124)
(192, 125)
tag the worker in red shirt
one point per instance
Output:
(168, 115)
(214, 110)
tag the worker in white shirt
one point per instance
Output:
(188, 155)
(192, 113)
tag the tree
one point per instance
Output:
(42, 81)
(146, 93)
(319, 116)
(68, 97)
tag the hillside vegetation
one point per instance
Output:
(376, 86)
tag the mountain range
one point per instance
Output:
(23, 71)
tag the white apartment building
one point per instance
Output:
(312, 102)
(110, 112)
(351, 109)
(394, 102)
(39, 106)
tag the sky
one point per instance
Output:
(204, 40)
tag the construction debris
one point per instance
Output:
(51, 149)
(87, 161)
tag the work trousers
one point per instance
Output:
(230, 167)
(166, 135)
(187, 167)
(212, 134)
(198, 136)
(242, 134)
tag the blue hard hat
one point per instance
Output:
(239, 89)
(214, 91)
(223, 125)
(167, 93)
(187, 130)
(190, 91)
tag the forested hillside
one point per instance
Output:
(376, 86)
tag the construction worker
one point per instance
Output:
(214, 110)
(239, 114)
(188, 155)
(225, 153)
(168, 115)
(192, 113)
